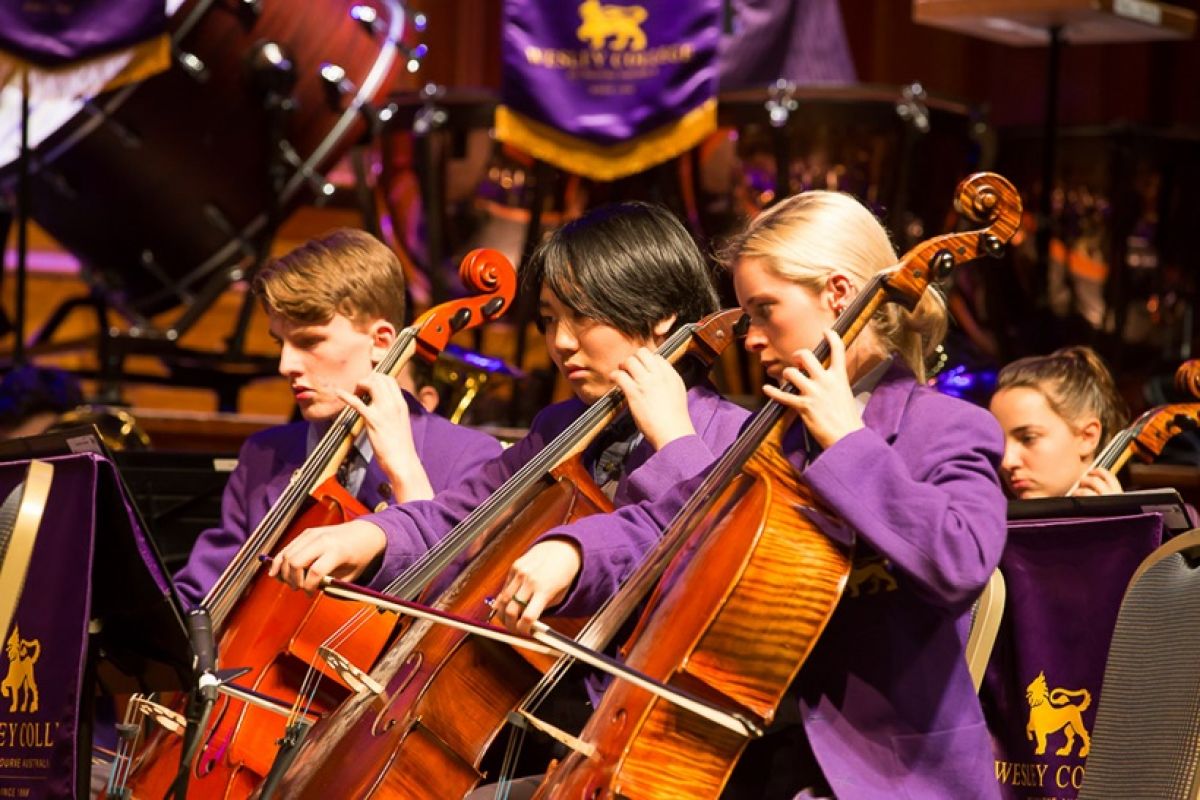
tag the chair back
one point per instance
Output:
(1146, 739)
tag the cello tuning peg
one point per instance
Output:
(991, 244)
(461, 319)
(493, 307)
(941, 264)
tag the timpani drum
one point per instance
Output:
(165, 186)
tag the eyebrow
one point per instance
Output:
(759, 299)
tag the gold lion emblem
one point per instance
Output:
(870, 576)
(22, 655)
(602, 21)
(1051, 711)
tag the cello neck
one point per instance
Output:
(1148, 434)
(768, 422)
(318, 466)
(703, 340)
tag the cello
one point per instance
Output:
(1147, 435)
(745, 584)
(275, 632)
(440, 697)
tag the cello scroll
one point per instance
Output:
(1187, 377)
(987, 199)
(483, 270)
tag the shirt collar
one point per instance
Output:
(864, 387)
(317, 429)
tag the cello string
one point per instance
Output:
(516, 740)
(236, 577)
(426, 568)
(430, 564)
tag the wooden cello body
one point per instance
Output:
(448, 694)
(241, 742)
(751, 583)
(274, 632)
(750, 542)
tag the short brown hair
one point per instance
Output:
(346, 271)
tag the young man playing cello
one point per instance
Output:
(335, 305)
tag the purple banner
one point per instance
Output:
(44, 651)
(1065, 581)
(53, 33)
(606, 89)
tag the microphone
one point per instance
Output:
(204, 653)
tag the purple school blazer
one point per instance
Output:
(885, 697)
(412, 528)
(268, 459)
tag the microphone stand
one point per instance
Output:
(289, 746)
(203, 697)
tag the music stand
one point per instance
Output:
(142, 633)
(1167, 502)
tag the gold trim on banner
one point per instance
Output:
(606, 162)
(149, 58)
(89, 77)
(34, 492)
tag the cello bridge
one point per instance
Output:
(172, 721)
(358, 680)
(523, 718)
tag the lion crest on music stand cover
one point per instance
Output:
(22, 655)
(1051, 711)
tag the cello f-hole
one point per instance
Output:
(383, 721)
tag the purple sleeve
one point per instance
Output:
(930, 502)
(613, 544)
(413, 528)
(679, 461)
(449, 451)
